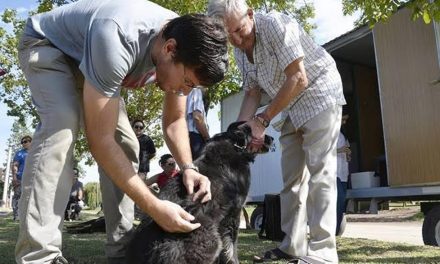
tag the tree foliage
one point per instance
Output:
(145, 104)
(92, 195)
(19, 130)
(374, 11)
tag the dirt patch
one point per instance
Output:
(392, 215)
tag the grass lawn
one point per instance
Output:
(88, 248)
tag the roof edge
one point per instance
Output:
(347, 38)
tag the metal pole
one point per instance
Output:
(96, 200)
(6, 186)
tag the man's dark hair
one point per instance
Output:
(26, 137)
(164, 158)
(201, 46)
(137, 121)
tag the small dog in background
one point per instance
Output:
(225, 161)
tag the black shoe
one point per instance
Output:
(59, 260)
(273, 255)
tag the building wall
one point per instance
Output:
(407, 62)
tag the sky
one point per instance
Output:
(330, 24)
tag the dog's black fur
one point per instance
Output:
(225, 161)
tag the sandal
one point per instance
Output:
(273, 255)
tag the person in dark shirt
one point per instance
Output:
(75, 204)
(147, 149)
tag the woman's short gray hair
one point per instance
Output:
(222, 8)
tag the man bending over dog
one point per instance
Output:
(76, 58)
(274, 53)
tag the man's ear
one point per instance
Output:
(169, 47)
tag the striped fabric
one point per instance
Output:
(194, 102)
(280, 40)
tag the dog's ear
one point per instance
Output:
(219, 137)
(234, 126)
(239, 127)
(241, 134)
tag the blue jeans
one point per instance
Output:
(197, 143)
(342, 192)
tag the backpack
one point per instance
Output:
(271, 225)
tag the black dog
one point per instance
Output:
(225, 161)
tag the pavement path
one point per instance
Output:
(378, 227)
(403, 232)
(3, 213)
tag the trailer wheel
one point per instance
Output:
(257, 217)
(431, 227)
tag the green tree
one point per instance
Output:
(92, 195)
(374, 11)
(145, 104)
(19, 130)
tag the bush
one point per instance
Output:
(92, 195)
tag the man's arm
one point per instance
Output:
(14, 172)
(250, 104)
(151, 155)
(101, 115)
(200, 123)
(152, 179)
(151, 149)
(176, 136)
(80, 193)
(296, 82)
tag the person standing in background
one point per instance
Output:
(17, 173)
(196, 121)
(147, 149)
(343, 157)
(75, 199)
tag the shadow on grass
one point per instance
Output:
(250, 245)
(84, 248)
(357, 250)
(89, 248)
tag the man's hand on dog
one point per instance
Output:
(258, 132)
(191, 179)
(173, 218)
